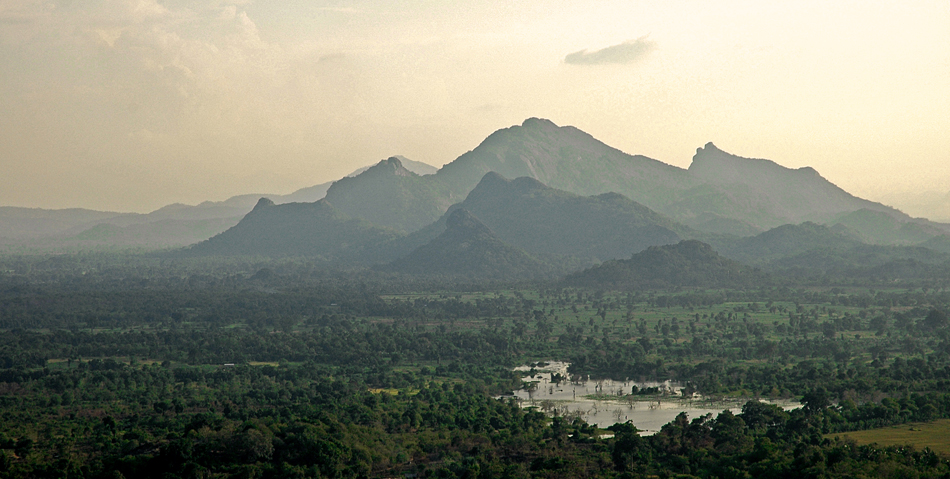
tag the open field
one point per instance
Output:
(935, 435)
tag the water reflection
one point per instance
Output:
(605, 402)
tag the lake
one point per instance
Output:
(605, 402)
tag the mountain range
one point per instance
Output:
(719, 192)
(173, 225)
(529, 200)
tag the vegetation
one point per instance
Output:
(138, 366)
(920, 435)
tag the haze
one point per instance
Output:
(130, 105)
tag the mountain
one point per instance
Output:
(22, 223)
(938, 243)
(297, 229)
(719, 193)
(761, 192)
(547, 221)
(469, 249)
(787, 240)
(614, 193)
(934, 205)
(880, 227)
(174, 225)
(568, 159)
(688, 263)
(390, 195)
(811, 249)
(417, 167)
(863, 261)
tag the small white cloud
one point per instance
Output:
(624, 53)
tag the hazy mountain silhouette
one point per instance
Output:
(586, 199)
(880, 227)
(813, 249)
(787, 240)
(468, 248)
(720, 192)
(565, 158)
(547, 221)
(17, 223)
(688, 263)
(761, 192)
(315, 230)
(938, 243)
(390, 195)
(170, 226)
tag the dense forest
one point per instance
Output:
(141, 366)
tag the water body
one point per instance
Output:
(612, 402)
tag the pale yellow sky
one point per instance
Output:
(130, 105)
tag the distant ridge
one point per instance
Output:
(788, 240)
(719, 193)
(812, 249)
(468, 248)
(315, 230)
(547, 221)
(762, 192)
(688, 263)
(572, 196)
(390, 195)
(173, 225)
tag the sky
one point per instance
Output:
(130, 105)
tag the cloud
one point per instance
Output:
(624, 53)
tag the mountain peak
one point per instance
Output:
(712, 164)
(468, 248)
(538, 123)
(709, 147)
(493, 179)
(392, 165)
(461, 221)
(263, 203)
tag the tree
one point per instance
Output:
(816, 400)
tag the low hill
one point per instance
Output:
(688, 263)
(879, 227)
(864, 261)
(938, 243)
(787, 240)
(810, 249)
(469, 249)
(297, 229)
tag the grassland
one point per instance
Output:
(935, 435)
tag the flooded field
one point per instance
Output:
(604, 402)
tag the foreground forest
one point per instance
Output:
(133, 366)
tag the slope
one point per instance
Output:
(688, 263)
(548, 221)
(720, 192)
(565, 158)
(469, 249)
(880, 227)
(390, 195)
(762, 192)
(296, 229)
(787, 240)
